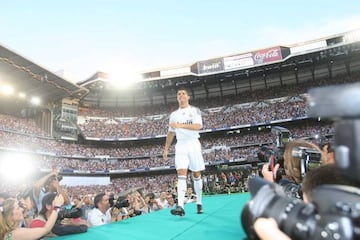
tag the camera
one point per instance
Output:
(324, 219)
(59, 177)
(121, 203)
(69, 213)
(334, 212)
(309, 158)
(53, 178)
(124, 206)
(274, 156)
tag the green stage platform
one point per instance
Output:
(221, 220)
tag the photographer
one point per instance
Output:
(68, 221)
(325, 174)
(27, 200)
(49, 183)
(151, 205)
(267, 229)
(293, 166)
(329, 153)
(11, 215)
(333, 212)
(102, 213)
(121, 209)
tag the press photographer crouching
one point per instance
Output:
(334, 212)
(299, 157)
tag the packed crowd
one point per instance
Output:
(69, 156)
(101, 128)
(80, 207)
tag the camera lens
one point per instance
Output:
(293, 216)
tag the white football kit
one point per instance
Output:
(188, 152)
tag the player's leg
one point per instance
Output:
(181, 164)
(181, 189)
(198, 186)
(196, 165)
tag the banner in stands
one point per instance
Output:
(270, 55)
(238, 61)
(78, 181)
(211, 66)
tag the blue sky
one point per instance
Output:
(82, 37)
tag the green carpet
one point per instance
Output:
(220, 220)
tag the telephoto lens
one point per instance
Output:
(293, 216)
(333, 214)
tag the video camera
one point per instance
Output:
(334, 212)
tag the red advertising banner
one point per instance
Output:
(267, 55)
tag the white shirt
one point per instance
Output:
(188, 115)
(97, 218)
(163, 204)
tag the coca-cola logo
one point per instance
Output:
(267, 55)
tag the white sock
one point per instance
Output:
(198, 185)
(181, 189)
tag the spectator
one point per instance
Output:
(86, 206)
(171, 200)
(161, 200)
(11, 215)
(189, 195)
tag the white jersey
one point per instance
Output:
(188, 115)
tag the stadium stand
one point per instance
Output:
(88, 130)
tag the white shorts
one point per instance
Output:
(188, 155)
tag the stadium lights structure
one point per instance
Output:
(9, 91)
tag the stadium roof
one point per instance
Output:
(33, 80)
(218, 76)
